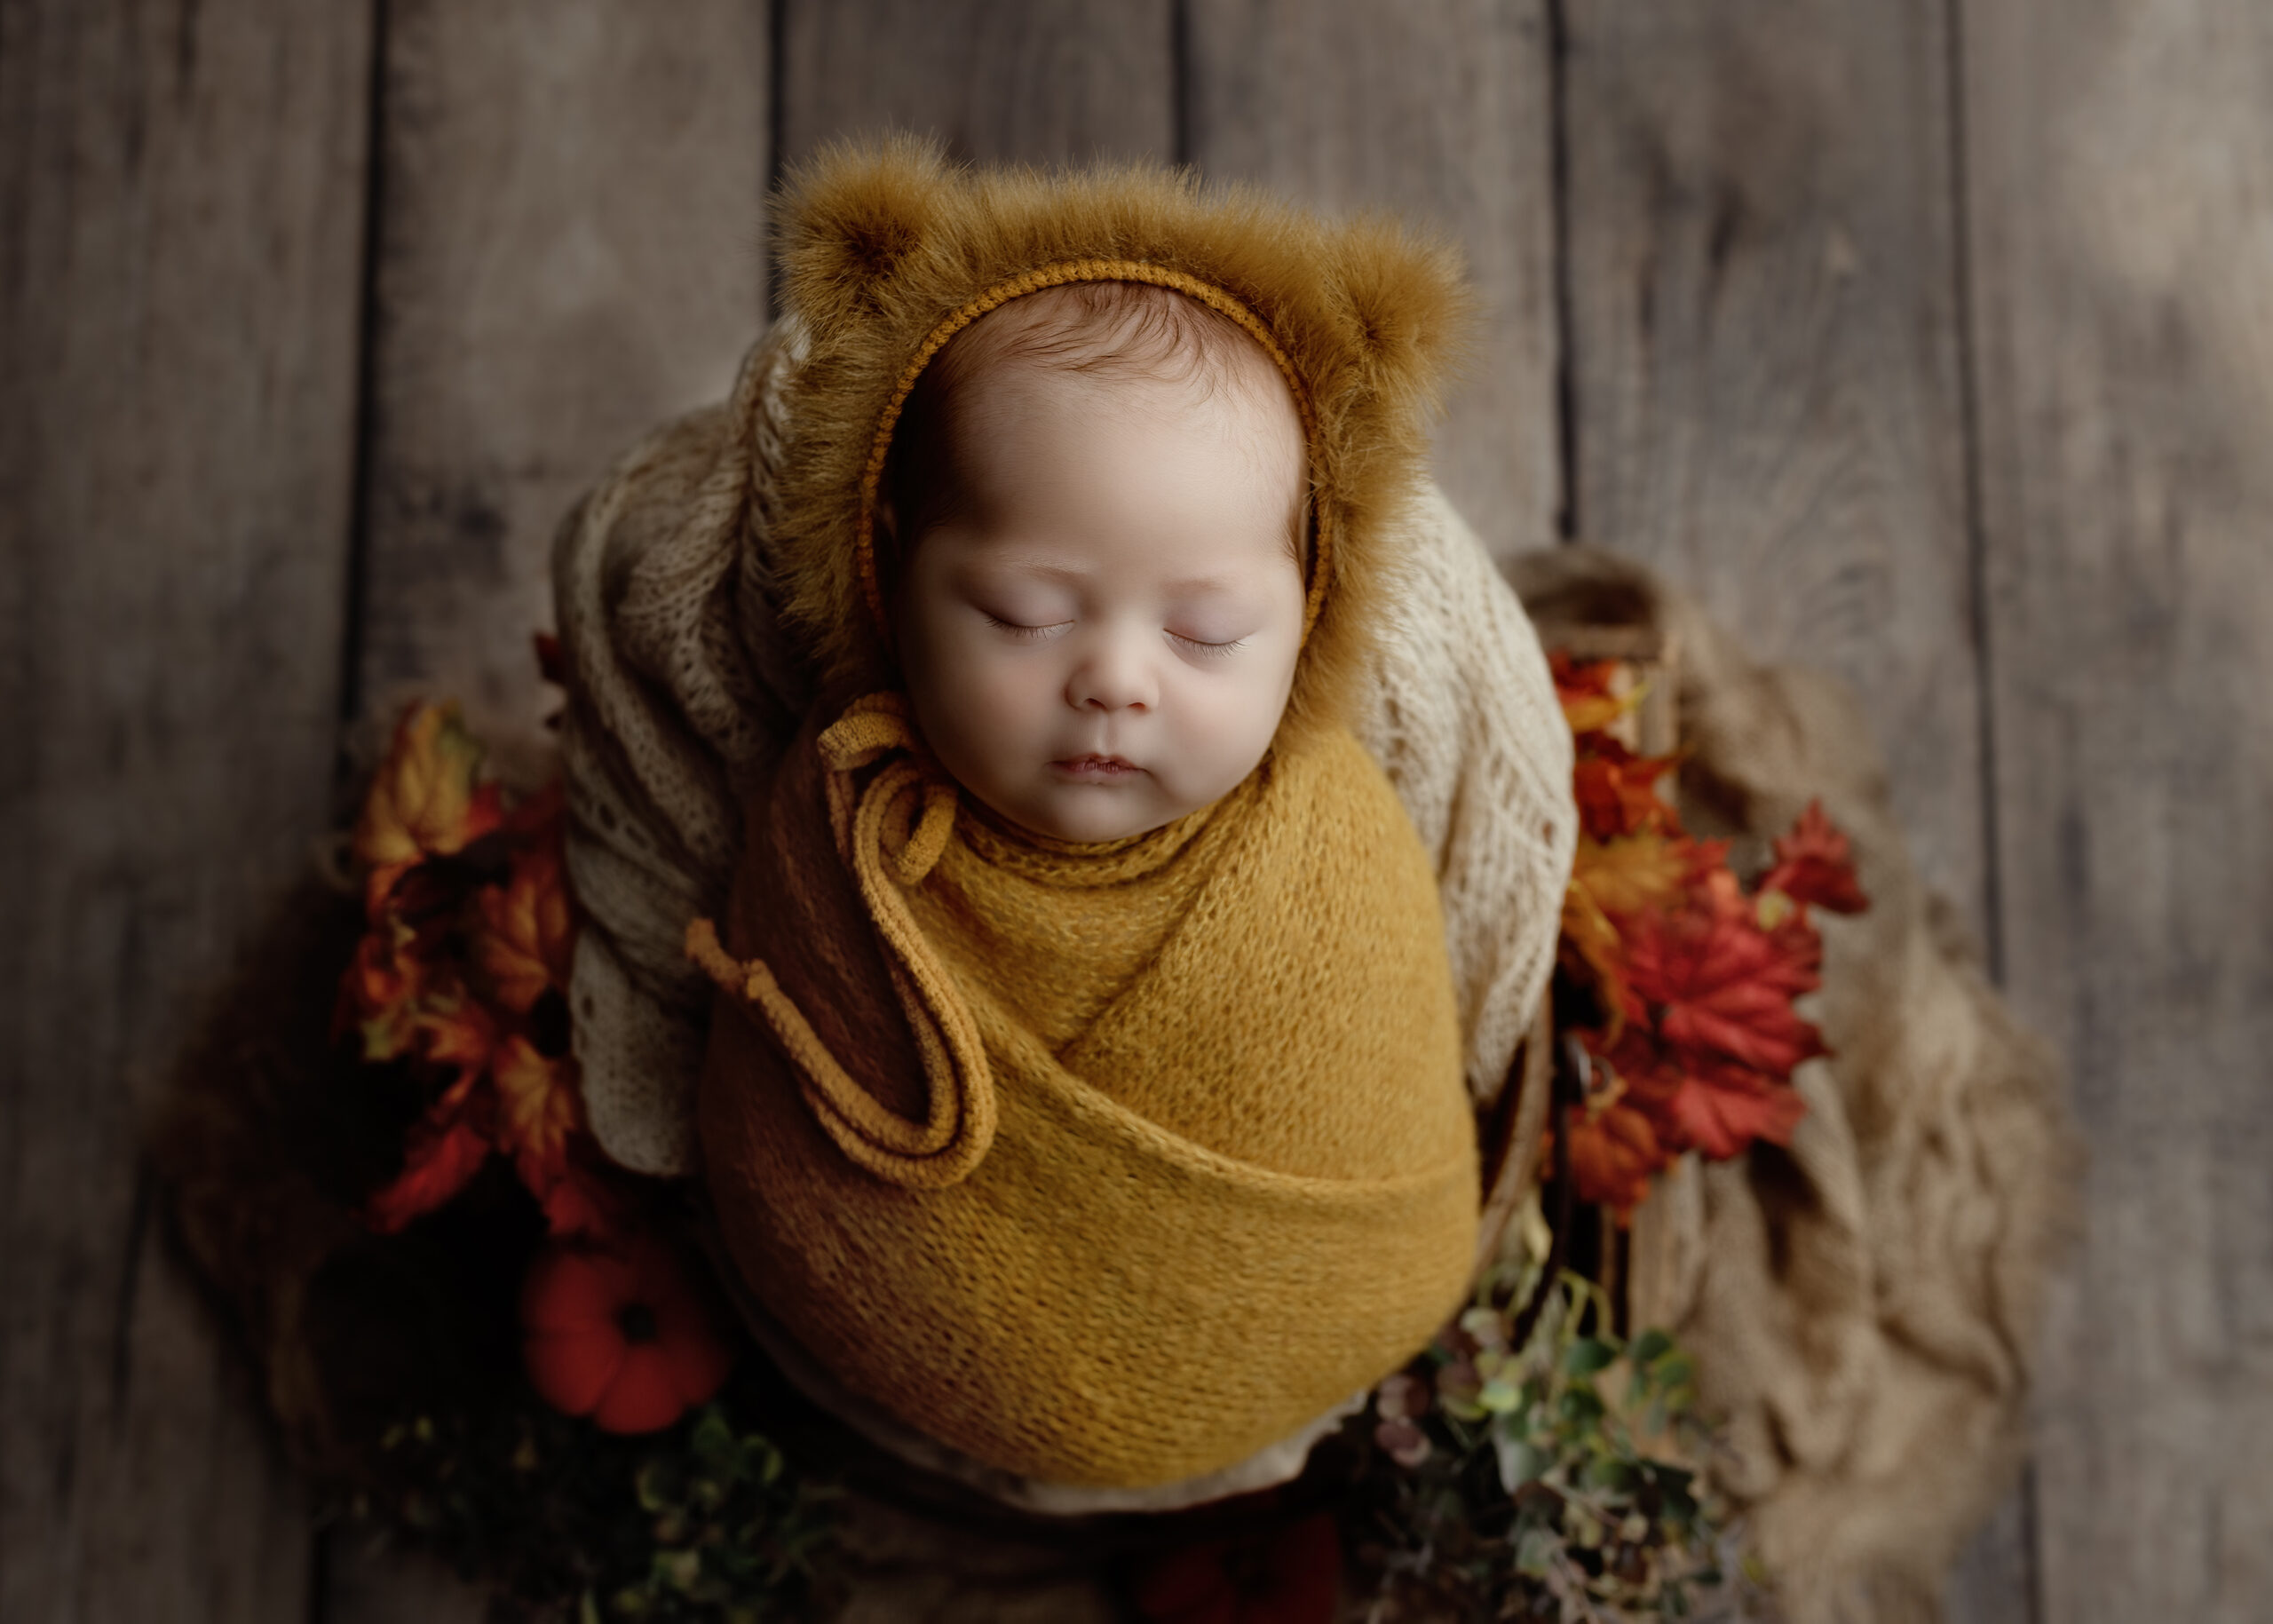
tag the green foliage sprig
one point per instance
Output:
(1558, 1478)
(705, 1523)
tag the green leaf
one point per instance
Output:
(659, 1484)
(1609, 1472)
(1651, 1346)
(1581, 1406)
(1588, 1355)
(714, 1444)
(1519, 1462)
(1535, 1552)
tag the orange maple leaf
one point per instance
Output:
(1586, 691)
(1633, 874)
(457, 1031)
(423, 800)
(527, 934)
(1617, 790)
(540, 1124)
(1720, 985)
(1590, 937)
(439, 1159)
(536, 1100)
(1815, 863)
(1614, 1152)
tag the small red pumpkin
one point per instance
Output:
(621, 1333)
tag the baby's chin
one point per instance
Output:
(1091, 814)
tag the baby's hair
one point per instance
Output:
(1101, 329)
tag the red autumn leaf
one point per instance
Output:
(1617, 790)
(1721, 1109)
(380, 993)
(1613, 1152)
(1716, 1107)
(577, 1199)
(1720, 985)
(1815, 864)
(439, 1159)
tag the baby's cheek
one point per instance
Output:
(1000, 708)
(1230, 726)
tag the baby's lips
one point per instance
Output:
(1096, 763)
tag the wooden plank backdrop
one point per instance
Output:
(1930, 344)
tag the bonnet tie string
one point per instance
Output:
(959, 1121)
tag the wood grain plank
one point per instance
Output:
(1766, 398)
(1441, 111)
(181, 202)
(1766, 391)
(1027, 80)
(2121, 159)
(571, 248)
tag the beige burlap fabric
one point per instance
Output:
(1862, 1308)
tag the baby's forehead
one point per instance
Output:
(1126, 339)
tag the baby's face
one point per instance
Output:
(1102, 638)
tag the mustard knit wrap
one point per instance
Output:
(1212, 1167)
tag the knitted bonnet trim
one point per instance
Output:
(887, 250)
(1059, 276)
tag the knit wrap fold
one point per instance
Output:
(888, 834)
(1248, 1083)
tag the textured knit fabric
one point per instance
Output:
(1224, 1167)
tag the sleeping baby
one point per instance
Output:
(1089, 1093)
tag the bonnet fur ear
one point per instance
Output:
(862, 216)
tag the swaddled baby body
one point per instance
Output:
(1088, 1090)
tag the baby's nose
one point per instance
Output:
(1112, 675)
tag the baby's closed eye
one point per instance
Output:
(1019, 631)
(1206, 648)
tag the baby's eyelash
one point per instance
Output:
(1210, 651)
(1021, 633)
